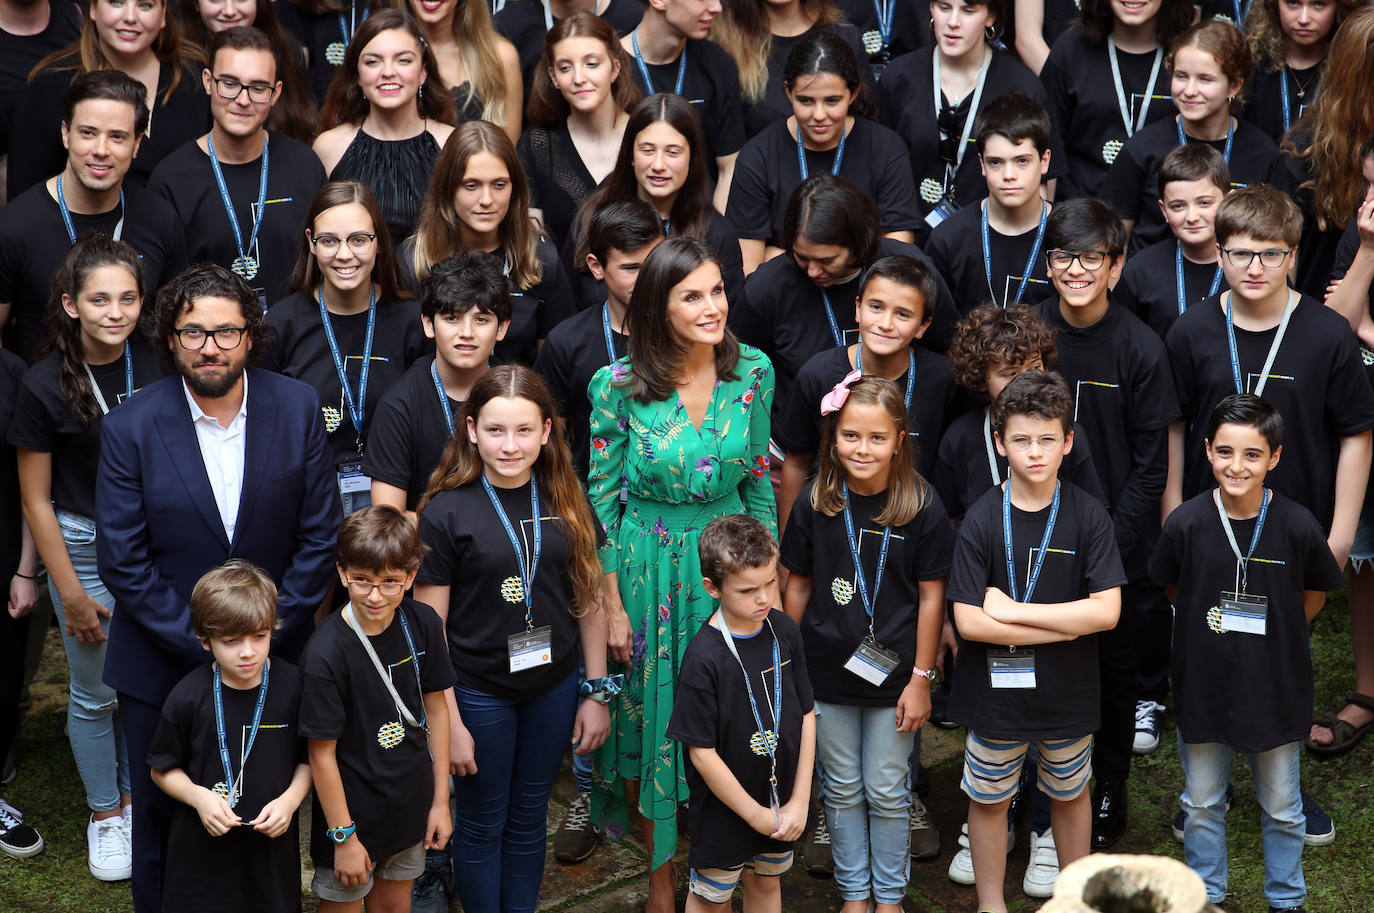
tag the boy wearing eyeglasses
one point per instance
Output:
(1124, 400)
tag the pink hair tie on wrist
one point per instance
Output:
(834, 400)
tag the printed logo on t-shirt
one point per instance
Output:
(513, 588)
(241, 768)
(1049, 553)
(842, 589)
(1083, 387)
(334, 415)
(1253, 378)
(1215, 619)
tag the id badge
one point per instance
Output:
(944, 210)
(1007, 670)
(1244, 614)
(530, 649)
(352, 479)
(872, 662)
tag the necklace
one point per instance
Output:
(1302, 86)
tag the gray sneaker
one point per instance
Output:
(925, 837)
(433, 888)
(575, 839)
(819, 861)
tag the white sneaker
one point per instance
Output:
(111, 858)
(961, 866)
(127, 813)
(1043, 868)
(1147, 715)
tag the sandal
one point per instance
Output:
(1344, 735)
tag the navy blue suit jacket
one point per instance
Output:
(160, 530)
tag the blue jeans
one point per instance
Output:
(102, 759)
(503, 809)
(864, 768)
(1207, 770)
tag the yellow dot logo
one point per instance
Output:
(391, 734)
(842, 591)
(332, 418)
(512, 590)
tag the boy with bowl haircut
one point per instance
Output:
(1036, 572)
(373, 709)
(891, 312)
(991, 252)
(1247, 569)
(465, 307)
(229, 751)
(1193, 180)
(744, 711)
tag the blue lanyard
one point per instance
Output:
(1178, 280)
(868, 601)
(414, 664)
(357, 408)
(346, 26)
(1231, 536)
(1273, 347)
(527, 571)
(1230, 135)
(770, 744)
(229, 205)
(1030, 261)
(886, 11)
(230, 782)
(910, 371)
(606, 330)
(801, 153)
(67, 213)
(1239, 21)
(644, 67)
(128, 380)
(443, 396)
(1011, 553)
(830, 315)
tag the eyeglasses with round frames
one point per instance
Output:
(193, 339)
(1049, 443)
(364, 588)
(230, 88)
(1241, 258)
(358, 242)
(1088, 259)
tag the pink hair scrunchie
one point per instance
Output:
(834, 400)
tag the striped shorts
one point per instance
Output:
(717, 885)
(992, 767)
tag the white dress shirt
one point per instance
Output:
(222, 451)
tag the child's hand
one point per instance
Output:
(591, 727)
(764, 821)
(791, 821)
(999, 606)
(913, 706)
(275, 817)
(438, 826)
(215, 814)
(949, 647)
(351, 863)
(462, 751)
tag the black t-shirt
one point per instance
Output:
(1082, 559)
(558, 178)
(962, 474)
(1083, 103)
(711, 710)
(782, 312)
(818, 546)
(1131, 185)
(44, 422)
(324, 36)
(906, 103)
(798, 425)
(209, 873)
(300, 349)
(523, 24)
(1124, 400)
(470, 553)
(1264, 97)
(1144, 290)
(573, 353)
(1249, 692)
(187, 182)
(909, 29)
(12, 369)
(767, 172)
(389, 790)
(177, 119)
(34, 242)
(774, 105)
(1317, 384)
(408, 432)
(20, 53)
(710, 84)
(956, 249)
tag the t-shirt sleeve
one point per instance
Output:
(796, 429)
(323, 713)
(696, 706)
(388, 461)
(1124, 295)
(751, 192)
(969, 571)
(1320, 570)
(790, 633)
(437, 674)
(798, 540)
(440, 562)
(551, 364)
(728, 136)
(32, 428)
(558, 305)
(1165, 561)
(934, 539)
(1102, 570)
(1349, 396)
(1122, 185)
(895, 191)
(171, 745)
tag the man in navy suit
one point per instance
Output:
(217, 461)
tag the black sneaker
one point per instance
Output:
(575, 839)
(817, 854)
(17, 838)
(1320, 830)
(1181, 818)
(433, 889)
(925, 837)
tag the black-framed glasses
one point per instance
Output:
(1241, 258)
(364, 588)
(358, 242)
(193, 339)
(1090, 260)
(230, 88)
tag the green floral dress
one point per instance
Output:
(676, 480)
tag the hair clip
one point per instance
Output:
(834, 400)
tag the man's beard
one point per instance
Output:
(214, 387)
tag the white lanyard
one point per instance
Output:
(1121, 91)
(381, 670)
(972, 108)
(992, 454)
(1273, 346)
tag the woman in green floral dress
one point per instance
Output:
(680, 425)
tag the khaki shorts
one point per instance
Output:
(403, 866)
(718, 885)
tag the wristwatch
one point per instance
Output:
(601, 689)
(341, 834)
(928, 674)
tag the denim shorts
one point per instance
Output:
(403, 866)
(1362, 549)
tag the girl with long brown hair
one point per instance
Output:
(512, 568)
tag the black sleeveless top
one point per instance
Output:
(398, 173)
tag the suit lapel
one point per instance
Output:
(183, 449)
(257, 451)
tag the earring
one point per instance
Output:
(932, 23)
(420, 96)
(990, 33)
